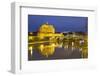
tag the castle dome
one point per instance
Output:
(46, 28)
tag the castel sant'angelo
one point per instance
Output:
(47, 30)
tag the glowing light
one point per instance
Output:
(30, 37)
(31, 50)
(72, 43)
(41, 47)
(53, 44)
(31, 33)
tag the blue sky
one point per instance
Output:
(61, 23)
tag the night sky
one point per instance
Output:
(61, 23)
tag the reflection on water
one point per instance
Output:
(57, 50)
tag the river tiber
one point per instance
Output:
(46, 43)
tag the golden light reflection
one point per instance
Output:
(30, 48)
(47, 50)
(84, 53)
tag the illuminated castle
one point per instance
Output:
(47, 30)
